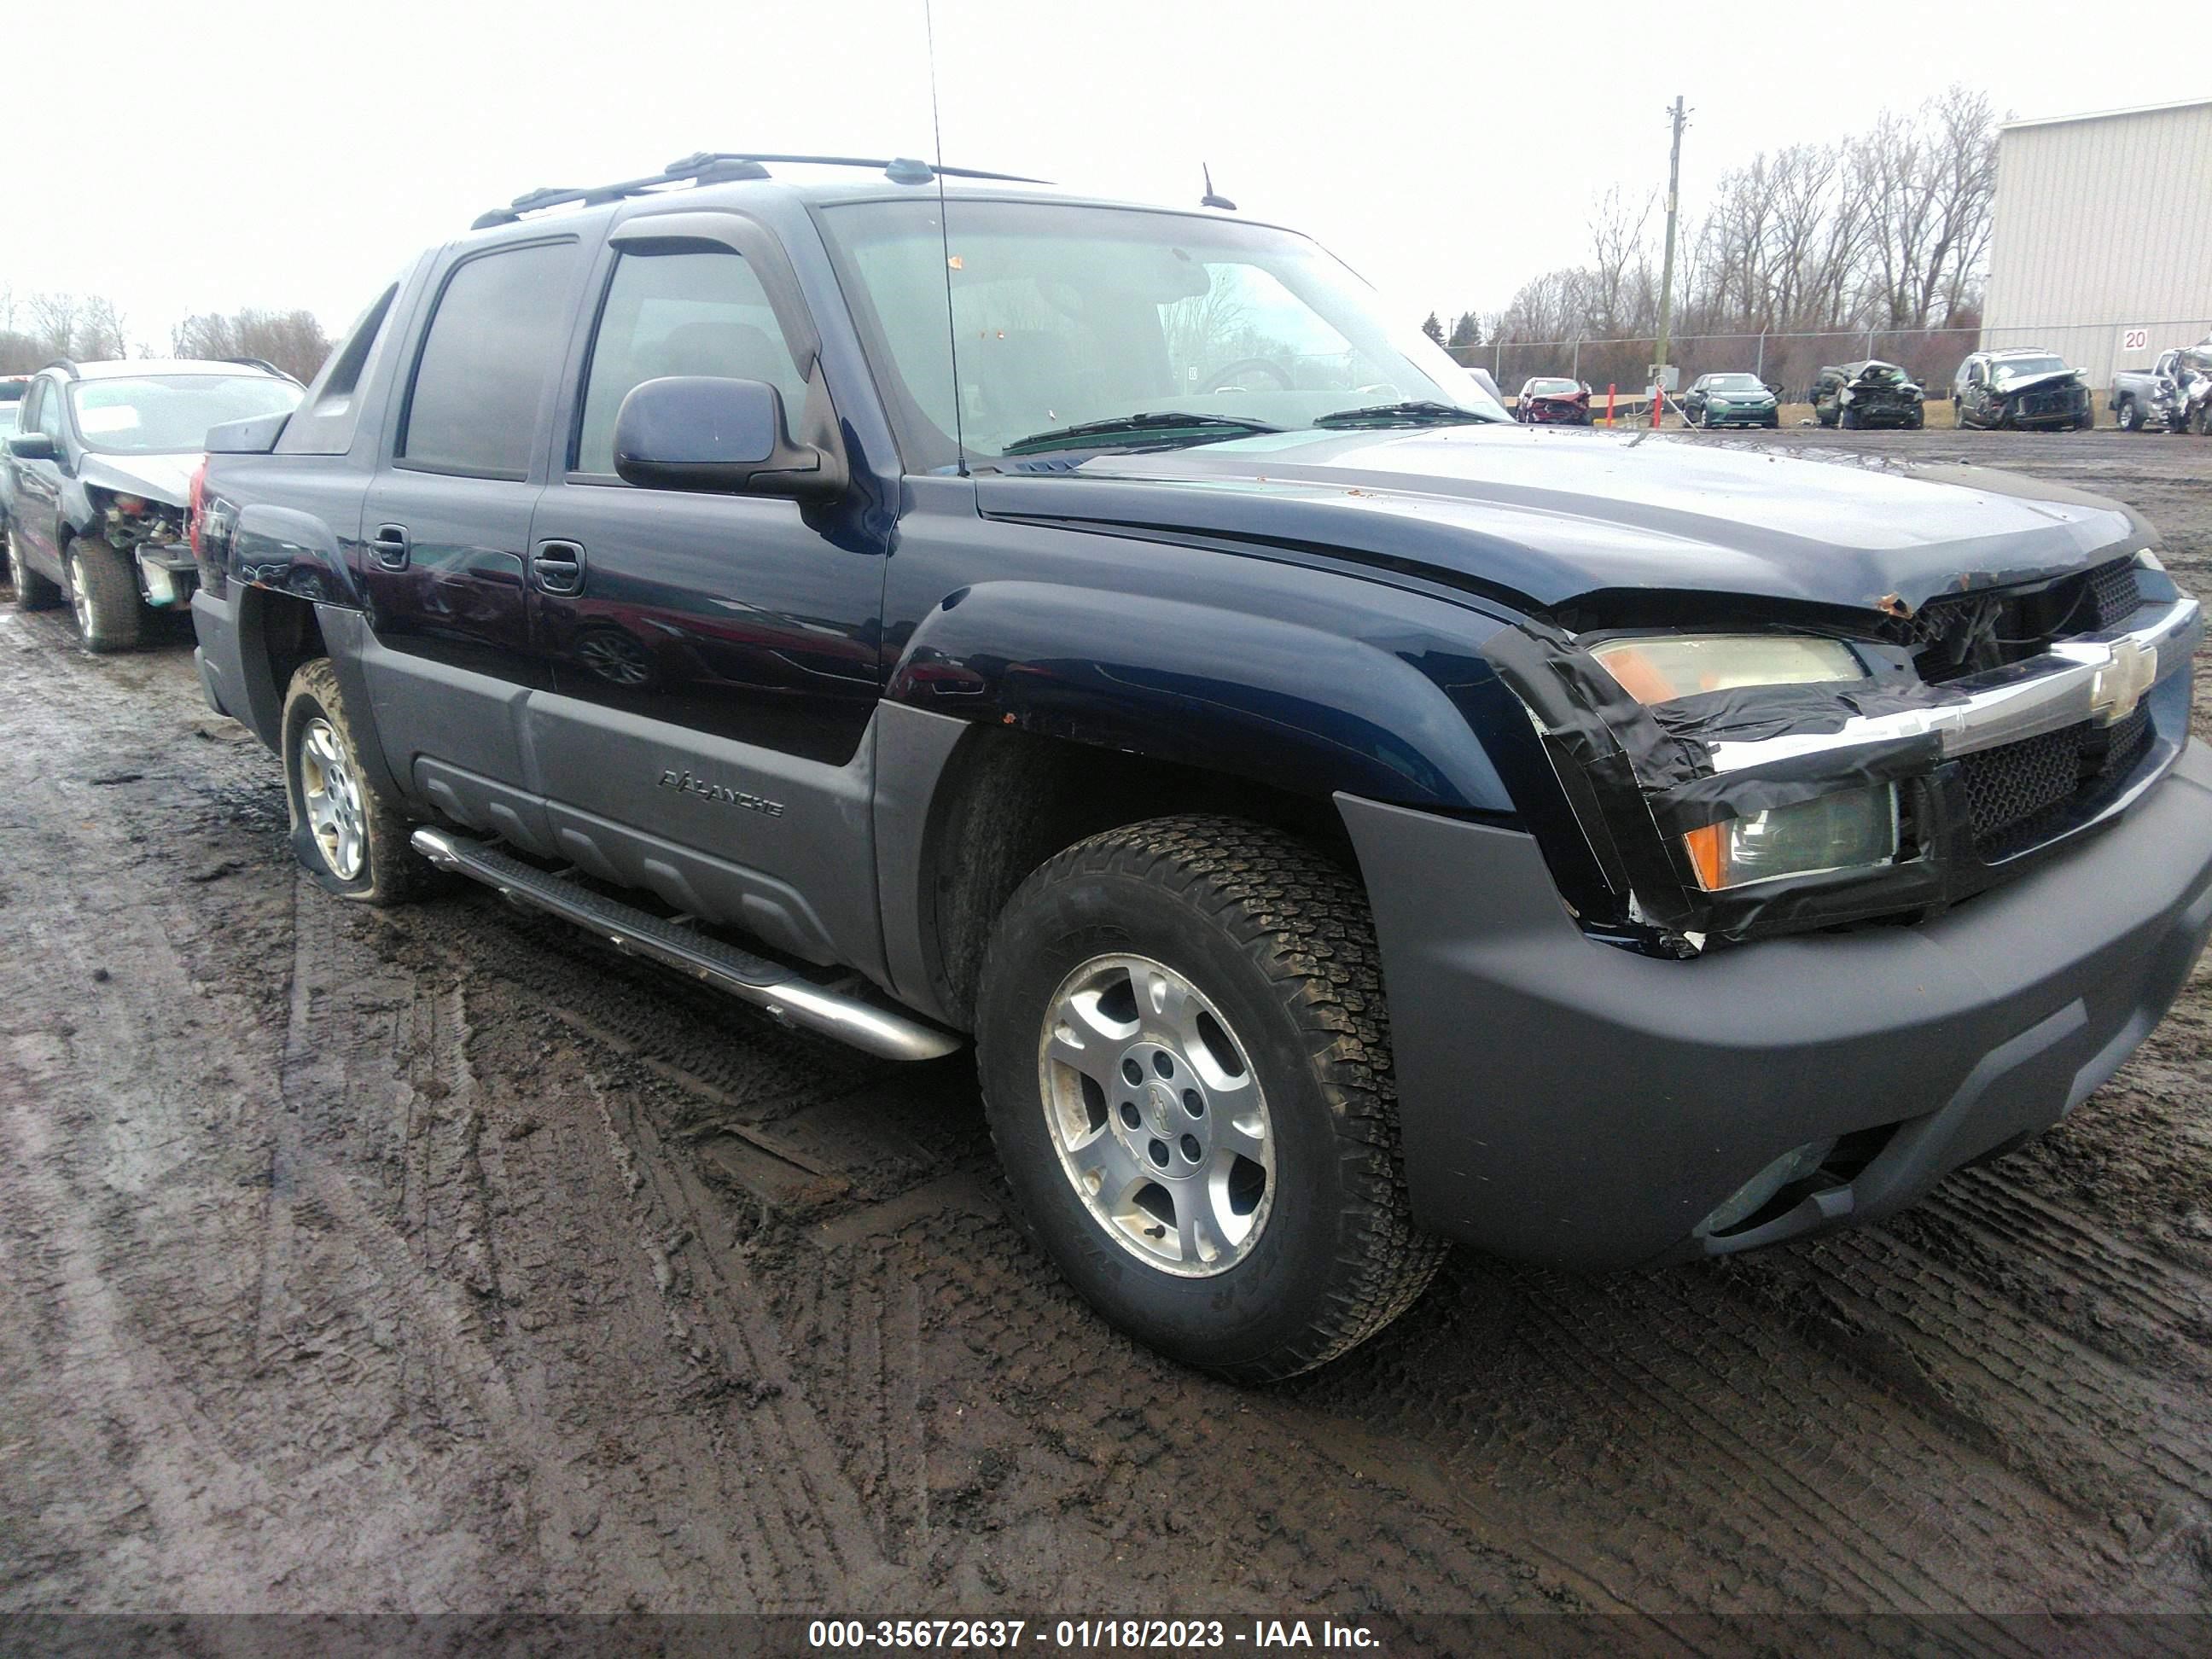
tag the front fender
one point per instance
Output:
(1381, 707)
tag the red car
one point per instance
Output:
(1551, 400)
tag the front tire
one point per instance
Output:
(351, 839)
(1848, 420)
(1185, 1059)
(104, 596)
(33, 591)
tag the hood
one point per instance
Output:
(165, 478)
(1547, 518)
(2007, 388)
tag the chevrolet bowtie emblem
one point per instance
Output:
(2121, 684)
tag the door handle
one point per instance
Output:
(558, 567)
(389, 546)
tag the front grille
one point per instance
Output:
(2113, 594)
(1954, 634)
(2024, 793)
(2047, 402)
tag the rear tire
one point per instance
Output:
(352, 840)
(1186, 1066)
(103, 594)
(2129, 417)
(33, 591)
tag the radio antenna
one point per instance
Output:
(945, 239)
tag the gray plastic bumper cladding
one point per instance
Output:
(1566, 1102)
(1639, 777)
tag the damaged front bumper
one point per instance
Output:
(1567, 1102)
(167, 574)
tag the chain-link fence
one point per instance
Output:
(1790, 361)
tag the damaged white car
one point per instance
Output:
(99, 468)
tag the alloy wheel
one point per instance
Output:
(1160, 1123)
(331, 796)
(79, 601)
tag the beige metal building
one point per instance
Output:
(2101, 246)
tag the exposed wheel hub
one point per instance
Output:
(1161, 1127)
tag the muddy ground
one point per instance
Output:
(438, 1260)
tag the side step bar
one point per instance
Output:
(787, 998)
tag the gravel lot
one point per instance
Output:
(438, 1260)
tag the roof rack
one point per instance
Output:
(722, 167)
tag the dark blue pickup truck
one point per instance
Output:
(926, 605)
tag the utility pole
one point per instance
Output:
(1677, 116)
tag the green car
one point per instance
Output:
(1730, 400)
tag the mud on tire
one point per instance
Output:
(352, 840)
(1277, 942)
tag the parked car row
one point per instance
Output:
(2015, 389)
(1344, 822)
(99, 472)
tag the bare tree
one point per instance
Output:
(1621, 295)
(53, 320)
(293, 340)
(1889, 228)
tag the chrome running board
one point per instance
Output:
(787, 998)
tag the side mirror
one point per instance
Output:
(700, 432)
(31, 447)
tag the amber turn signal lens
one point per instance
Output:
(1708, 850)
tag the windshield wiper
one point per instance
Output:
(1153, 425)
(1420, 411)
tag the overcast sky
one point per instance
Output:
(212, 155)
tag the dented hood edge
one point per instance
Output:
(164, 478)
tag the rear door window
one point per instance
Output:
(493, 348)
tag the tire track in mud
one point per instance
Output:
(718, 1403)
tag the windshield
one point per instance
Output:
(166, 413)
(2011, 369)
(1735, 383)
(8, 414)
(1065, 316)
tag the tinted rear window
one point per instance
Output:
(492, 346)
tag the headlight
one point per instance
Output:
(1660, 668)
(1845, 830)
(1853, 827)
